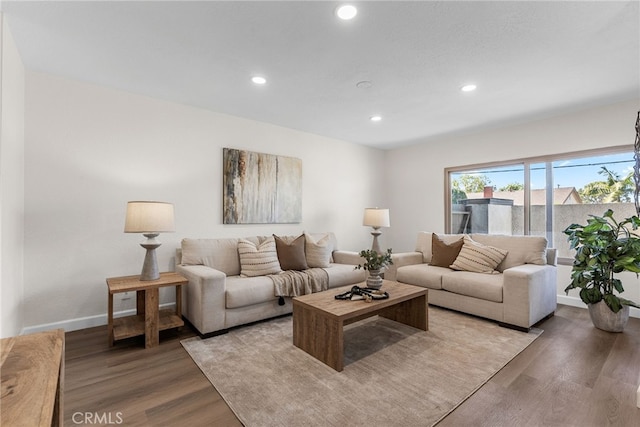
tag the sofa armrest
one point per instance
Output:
(205, 293)
(347, 257)
(529, 294)
(399, 260)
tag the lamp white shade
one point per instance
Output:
(376, 218)
(149, 217)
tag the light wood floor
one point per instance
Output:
(573, 375)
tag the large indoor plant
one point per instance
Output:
(604, 247)
(375, 263)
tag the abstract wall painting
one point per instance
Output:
(261, 188)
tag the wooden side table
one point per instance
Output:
(32, 369)
(149, 320)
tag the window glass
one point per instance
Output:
(483, 200)
(590, 186)
(539, 215)
(561, 192)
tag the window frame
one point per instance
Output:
(526, 163)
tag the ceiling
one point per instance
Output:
(529, 60)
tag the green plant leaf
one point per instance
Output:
(593, 227)
(590, 295)
(625, 301)
(617, 284)
(613, 302)
(634, 267)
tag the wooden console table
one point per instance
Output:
(149, 320)
(32, 369)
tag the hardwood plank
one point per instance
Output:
(32, 379)
(560, 380)
(570, 376)
(615, 368)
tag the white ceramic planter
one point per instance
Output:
(605, 319)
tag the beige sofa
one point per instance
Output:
(520, 293)
(218, 297)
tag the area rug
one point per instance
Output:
(394, 375)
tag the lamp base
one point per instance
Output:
(375, 246)
(150, 267)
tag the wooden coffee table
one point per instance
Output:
(319, 319)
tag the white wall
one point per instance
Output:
(90, 149)
(419, 170)
(12, 75)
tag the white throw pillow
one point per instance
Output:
(477, 257)
(258, 260)
(318, 252)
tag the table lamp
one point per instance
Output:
(150, 219)
(376, 218)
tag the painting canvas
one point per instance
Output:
(261, 188)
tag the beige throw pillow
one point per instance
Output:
(522, 249)
(258, 260)
(477, 257)
(291, 253)
(443, 254)
(318, 252)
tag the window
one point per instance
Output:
(540, 196)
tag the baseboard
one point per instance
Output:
(83, 322)
(577, 302)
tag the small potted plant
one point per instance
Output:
(375, 263)
(604, 247)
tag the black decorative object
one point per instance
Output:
(367, 294)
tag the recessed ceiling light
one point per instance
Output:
(468, 88)
(346, 12)
(258, 80)
(375, 118)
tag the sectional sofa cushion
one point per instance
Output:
(477, 257)
(258, 260)
(443, 254)
(291, 253)
(318, 251)
(521, 249)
